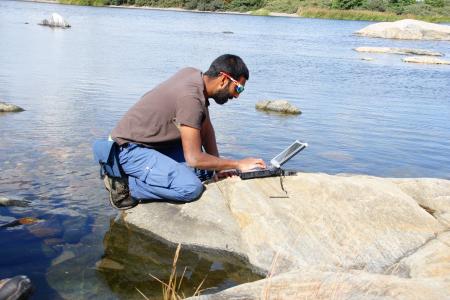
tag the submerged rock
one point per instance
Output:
(407, 29)
(6, 107)
(279, 106)
(352, 228)
(55, 20)
(12, 202)
(21, 221)
(107, 263)
(426, 60)
(404, 51)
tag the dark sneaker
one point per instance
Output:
(119, 193)
(15, 288)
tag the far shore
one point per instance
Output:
(304, 12)
(271, 14)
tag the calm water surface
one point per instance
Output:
(381, 117)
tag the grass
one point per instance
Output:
(367, 15)
(171, 289)
(260, 12)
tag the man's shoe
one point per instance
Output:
(119, 193)
(15, 288)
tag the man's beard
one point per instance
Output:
(222, 96)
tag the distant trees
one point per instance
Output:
(346, 4)
(435, 3)
(427, 8)
(397, 6)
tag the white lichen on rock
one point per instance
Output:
(55, 20)
(426, 60)
(403, 51)
(408, 30)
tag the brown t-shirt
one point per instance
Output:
(153, 121)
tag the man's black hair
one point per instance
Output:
(231, 64)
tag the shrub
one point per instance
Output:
(346, 4)
(243, 5)
(435, 3)
(375, 5)
(284, 6)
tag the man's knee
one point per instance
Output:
(186, 184)
(190, 190)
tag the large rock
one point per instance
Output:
(355, 284)
(426, 60)
(403, 51)
(326, 230)
(407, 29)
(55, 20)
(6, 107)
(279, 106)
(423, 275)
(431, 261)
(431, 194)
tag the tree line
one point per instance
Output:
(434, 9)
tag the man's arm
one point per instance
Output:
(192, 143)
(209, 137)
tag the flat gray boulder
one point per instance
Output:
(408, 30)
(402, 51)
(55, 20)
(357, 222)
(279, 106)
(354, 284)
(7, 107)
(426, 60)
(362, 235)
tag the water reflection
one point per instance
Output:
(39, 240)
(131, 256)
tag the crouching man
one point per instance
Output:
(168, 134)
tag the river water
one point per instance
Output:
(381, 117)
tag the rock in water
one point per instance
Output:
(280, 106)
(55, 20)
(408, 30)
(6, 107)
(426, 60)
(21, 221)
(12, 202)
(404, 51)
(18, 287)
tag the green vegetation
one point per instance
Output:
(373, 10)
(260, 12)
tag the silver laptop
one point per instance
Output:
(275, 163)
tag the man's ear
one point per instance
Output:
(222, 81)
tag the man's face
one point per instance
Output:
(228, 91)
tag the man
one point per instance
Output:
(162, 136)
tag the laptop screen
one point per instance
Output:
(288, 153)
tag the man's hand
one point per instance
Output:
(224, 174)
(250, 163)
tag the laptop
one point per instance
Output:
(275, 163)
